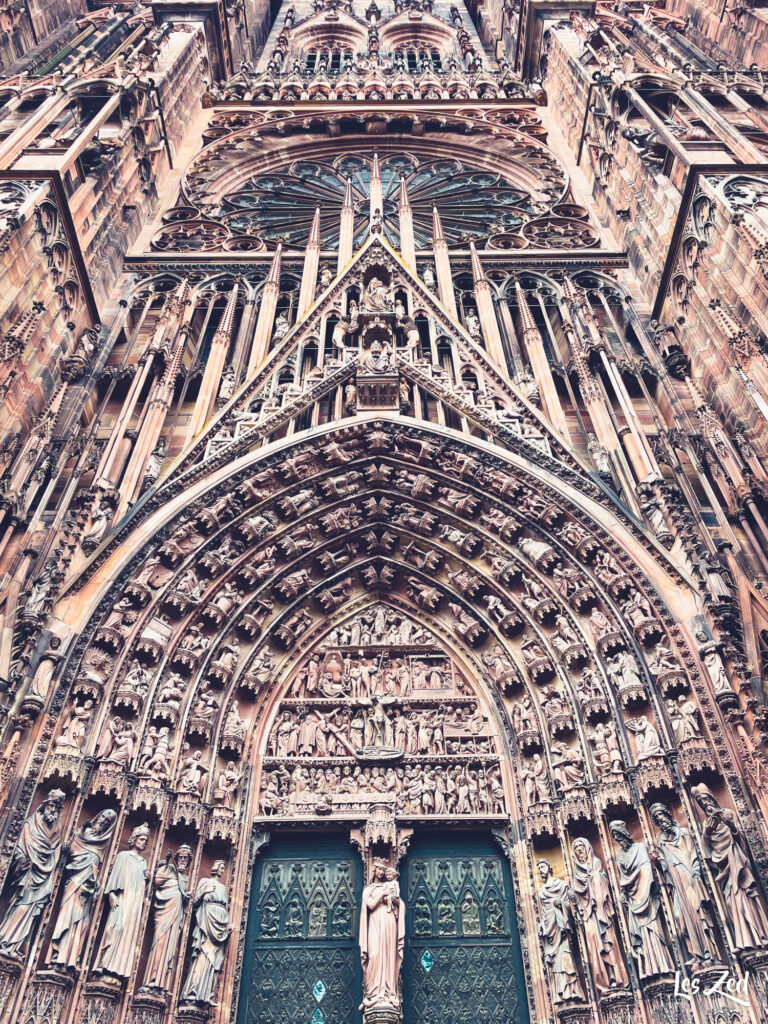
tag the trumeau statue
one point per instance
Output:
(726, 852)
(81, 887)
(639, 894)
(382, 938)
(32, 873)
(125, 892)
(210, 936)
(556, 932)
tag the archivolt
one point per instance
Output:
(524, 580)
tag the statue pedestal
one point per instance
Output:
(383, 1015)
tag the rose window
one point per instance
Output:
(473, 203)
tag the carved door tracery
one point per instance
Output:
(462, 952)
(301, 961)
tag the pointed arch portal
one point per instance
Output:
(382, 636)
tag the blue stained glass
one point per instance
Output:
(319, 991)
(427, 961)
(318, 1017)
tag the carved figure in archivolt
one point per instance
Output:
(382, 937)
(125, 890)
(639, 894)
(31, 875)
(595, 909)
(556, 931)
(209, 938)
(169, 904)
(81, 886)
(726, 851)
(682, 874)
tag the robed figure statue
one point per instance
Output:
(209, 938)
(382, 937)
(170, 902)
(32, 870)
(81, 887)
(125, 890)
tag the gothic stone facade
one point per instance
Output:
(384, 512)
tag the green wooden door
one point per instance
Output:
(301, 962)
(462, 960)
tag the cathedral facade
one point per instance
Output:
(383, 512)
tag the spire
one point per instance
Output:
(404, 201)
(526, 316)
(269, 296)
(478, 274)
(377, 189)
(311, 265)
(314, 231)
(273, 277)
(346, 229)
(407, 240)
(443, 266)
(227, 322)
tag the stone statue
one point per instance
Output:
(75, 726)
(716, 669)
(639, 894)
(684, 716)
(727, 853)
(81, 886)
(227, 786)
(31, 873)
(168, 908)
(595, 909)
(682, 874)
(209, 938)
(556, 933)
(377, 296)
(382, 938)
(125, 889)
(647, 743)
(46, 668)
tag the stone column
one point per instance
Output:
(214, 366)
(109, 467)
(534, 346)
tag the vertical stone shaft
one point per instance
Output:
(443, 266)
(311, 265)
(346, 229)
(214, 366)
(534, 346)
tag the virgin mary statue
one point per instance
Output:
(382, 937)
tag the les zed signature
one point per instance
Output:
(734, 989)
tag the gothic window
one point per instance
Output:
(302, 962)
(473, 203)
